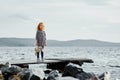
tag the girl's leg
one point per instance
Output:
(37, 55)
(42, 55)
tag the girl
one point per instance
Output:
(40, 40)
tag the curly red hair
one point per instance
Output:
(40, 26)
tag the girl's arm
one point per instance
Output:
(36, 42)
(45, 39)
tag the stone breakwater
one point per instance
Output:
(70, 72)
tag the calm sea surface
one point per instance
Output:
(105, 58)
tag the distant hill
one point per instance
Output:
(13, 42)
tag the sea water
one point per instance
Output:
(105, 58)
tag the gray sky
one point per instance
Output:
(63, 19)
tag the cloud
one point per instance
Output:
(59, 10)
(20, 16)
(86, 17)
(96, 2)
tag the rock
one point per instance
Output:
(1, 76)
(52, 75)
(14, 77)
(77, 72)
(14, 69)
(27, 74)
(84, 76)
(47, 71)
(38, 72)
(63, 78)
(72, 70)
(105, 76)
(7, 68)
(17, 73)
(34, 77)
(8, 72)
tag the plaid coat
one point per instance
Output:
(41, 38)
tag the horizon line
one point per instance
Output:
(61, 40)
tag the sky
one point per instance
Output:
(63, 19)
